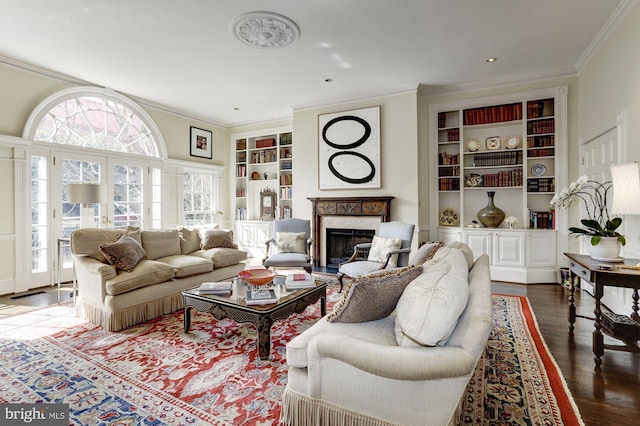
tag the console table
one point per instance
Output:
(600, 275)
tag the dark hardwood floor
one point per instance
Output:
(608, 396)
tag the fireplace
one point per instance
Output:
(340, 242)
(350, 213)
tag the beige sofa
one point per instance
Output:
(172, 260)
(408, 368)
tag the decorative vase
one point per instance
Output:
(608, 249)
(491, 216)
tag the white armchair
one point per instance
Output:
(290, 246)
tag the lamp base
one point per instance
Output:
(87, 217)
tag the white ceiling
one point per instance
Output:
(182, 55)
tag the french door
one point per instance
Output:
(126, 186)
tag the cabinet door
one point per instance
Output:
(478, 241)
(508, 249)
(262, 234)
(541, 249)
(448, 235)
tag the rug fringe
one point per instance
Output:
(300, 410)
(116, 321)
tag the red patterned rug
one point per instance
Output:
(154, 374)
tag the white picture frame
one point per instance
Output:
(349, 149)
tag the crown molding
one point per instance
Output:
(427, 91)
(407, 89)
(618, 15)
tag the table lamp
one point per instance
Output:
(626, 189)
(85, 194)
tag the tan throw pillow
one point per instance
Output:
(425, 252)
(380, 246)
(124, 253)
(291, 242)
(215, 238)
(189, 240)
(373, 297)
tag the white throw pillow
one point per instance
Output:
(380, 246)
(291, 242)
(429, 308)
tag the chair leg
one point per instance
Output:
(340, 276)
(308, 269)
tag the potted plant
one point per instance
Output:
(606, 241)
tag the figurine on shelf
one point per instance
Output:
(265, 175)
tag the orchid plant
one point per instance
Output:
(594, 196)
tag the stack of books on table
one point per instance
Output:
(219, 288)
(261, 297)
(297, 281)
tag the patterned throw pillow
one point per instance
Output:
(124, 253)
(291, 242)
(217, 238)
(373, 297)
(425, 252)
(380, 246)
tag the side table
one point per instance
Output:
(582, 266)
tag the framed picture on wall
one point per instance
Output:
(201, 143)
(349, 149)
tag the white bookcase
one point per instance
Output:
(514, 145)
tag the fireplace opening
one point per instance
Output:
(340, 242)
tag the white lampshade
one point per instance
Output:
(84, 193)
(626, 188)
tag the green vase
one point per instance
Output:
(491, 216)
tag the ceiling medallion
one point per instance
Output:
(265, 30)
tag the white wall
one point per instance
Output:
(398, 148)
(610, 85)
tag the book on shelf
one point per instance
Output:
(220, 288)
(295, 281)
(261, 297)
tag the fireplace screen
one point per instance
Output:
(340, 242)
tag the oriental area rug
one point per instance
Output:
(155, 374)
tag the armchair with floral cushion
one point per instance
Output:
(290, 246)
(390, 248)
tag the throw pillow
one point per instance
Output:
(189, 240)
(373, 297)
(429, 308)
(215, 238)
(380, 246)
(425, 252)
(291, 242)
(124, 253)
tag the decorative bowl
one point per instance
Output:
(258, 276)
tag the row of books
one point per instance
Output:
(449, 184)
(266, 156)
(449, 171)
(446, 159)
(442, 119)
(542, 152)
(503, 178)
(536, 109)
(286, 179)
(241, 145)
(241, 213)
(502, 158)
(285, 153)
(286, 193)
(241, 192)
(453, 135)
(265, 143)
(285, 212)
(241, 157)
(241, 170)
(542, 219)
(286, 139)
(286, 165)
(540, 141)
(493, 114)
(541, 185)
(541, 127)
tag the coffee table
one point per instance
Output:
(261, 316)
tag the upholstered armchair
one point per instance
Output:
(389, 249)
(290, 246)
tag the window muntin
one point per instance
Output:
(199, 199)
(39, 209)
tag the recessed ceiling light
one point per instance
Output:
(236, 109)
(328, 80)
(492, 59)
(265, 30)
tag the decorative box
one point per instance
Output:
(620, 326)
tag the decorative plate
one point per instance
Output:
(512, 142)
(538, 169)
(449, 217)
(255, 176)
(258, 276)
(493, 142)
(473, 180)
(473, 145)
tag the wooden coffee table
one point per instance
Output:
(261, 316)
